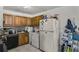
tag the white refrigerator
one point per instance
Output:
(49, 34)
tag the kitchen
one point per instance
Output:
(20, 28)
(34, 28)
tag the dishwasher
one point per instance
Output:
(35, 39)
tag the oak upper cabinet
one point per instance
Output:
(16, 21)
(36, 20)
(24, 21)
(28, 21)
(11, 20)
(7, 20)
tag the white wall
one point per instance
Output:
(1, 17)
(77, 17)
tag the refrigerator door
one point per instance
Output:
(48, 42)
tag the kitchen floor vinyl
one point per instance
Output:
(25, 48)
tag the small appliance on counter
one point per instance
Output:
(11, 31)
(28, 29)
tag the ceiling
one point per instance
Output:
(30, 10)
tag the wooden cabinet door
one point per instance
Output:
(36, 20)
(8, 20)
(32, 21)
(17, 21)
(23, 38)
(20, 21)
(24, 21)
(28, 23)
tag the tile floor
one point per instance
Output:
(25, 48)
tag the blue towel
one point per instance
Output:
(75, 36)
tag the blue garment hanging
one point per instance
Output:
(70, 26)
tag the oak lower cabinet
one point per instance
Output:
(23, 38)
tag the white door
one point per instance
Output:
(42, 40)
(35, 40)
(30, 37)
(48, 42)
